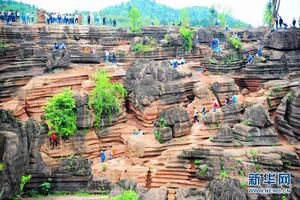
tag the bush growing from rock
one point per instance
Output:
(60, 113)
(104, 99)
(235, 42)
(187, 35)
(126, 195)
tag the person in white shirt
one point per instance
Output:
(196, 115)
(106, 56)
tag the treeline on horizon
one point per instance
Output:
(151, 13)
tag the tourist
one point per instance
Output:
(203, 112)
(285, 26)
(175, 63)
(114, 58)
(89, 19)
(93, 50)
(294, 22)
(135, 132)
(17, 16)
(110, 153)
(276, 22)
(114, 23)
(102, 156)
(182, 61)
(299, 22)
(113, 152)
(234, 99)
(227, 100)
(250, 59)
(226, 27)
(195, 115)
(280, 22)
(104, 21)
(215, 105)
(106, 56)
(259, 51)
(53, 140)
(141, 132)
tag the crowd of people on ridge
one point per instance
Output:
(16, 16)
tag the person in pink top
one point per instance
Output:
(215, 105)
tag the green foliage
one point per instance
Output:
(140, 47)
(222, 16)
(244, 184)
(198, 162)
(268, 14)
(127, 195)
(167, 37)
(277, 89)
(254, 154)
(290, 96)
(35, 193)
(135, 19)
(104, 99)
(187, 35)
(184, 17)
(162, 122)
(60, 113)
(283, 197)
(235, 42)
(158, 136)
(247, 122)
(104, 168)
(24, 180)
(2, 166)
(3, 45)
(45, 188)
(203, 169)
(223, 173)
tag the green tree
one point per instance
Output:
(60, 113)
(187, 35)
(223, 16)
(268, 14)
(184, 17)
(104, 99)
(135, 19)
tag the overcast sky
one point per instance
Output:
(250, 11)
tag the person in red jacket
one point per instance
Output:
(53, 140)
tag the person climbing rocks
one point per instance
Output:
(195, 115)
(227, 100)
(110, 153)
(280, 22)
(106, 56)
(114, 58)
(182, 61)
(250, 59)
(299, 22)
(102, 156)
(276, 22)
(285, 26)
(294, 22)
(114, 23)
(53, 140)
(203, 112)
(259, 51)
(234, 99)
(215, 105)
(135, 132)
(141, 132)
(89, 19)
(104, 20)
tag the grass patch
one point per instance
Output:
(140, 47)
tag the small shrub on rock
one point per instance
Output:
(60, 113)
(235, 42)
(127, 195)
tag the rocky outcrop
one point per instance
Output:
(288, 115)
(153, 86)
(13, 135)
(256, 128)
(189, 194)
(84, 115)
(176, 123)
(225, 189)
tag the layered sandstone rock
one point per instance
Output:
(288, 115)
(153, 86)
